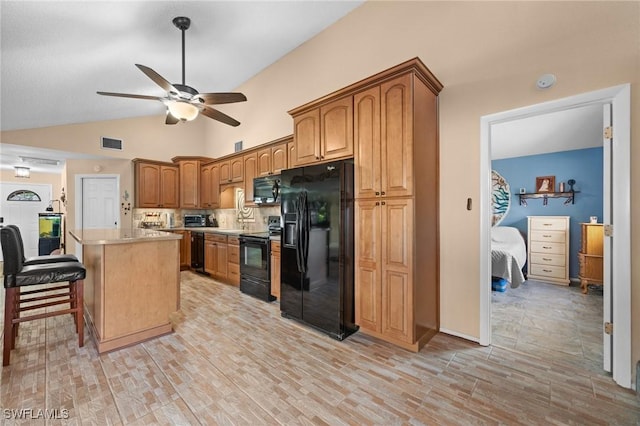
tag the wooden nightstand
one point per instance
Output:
(591, 255)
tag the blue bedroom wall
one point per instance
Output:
(583, 165)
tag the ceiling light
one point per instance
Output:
(36, 160)
(22, 172)
(183, 110)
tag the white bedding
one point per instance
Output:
(508, 254)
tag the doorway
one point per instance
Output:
(23, 211)
(618, 266)
(98, 203)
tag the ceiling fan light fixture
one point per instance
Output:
(183, 110)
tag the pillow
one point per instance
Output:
(505, 234)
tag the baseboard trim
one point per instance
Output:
(461, 335)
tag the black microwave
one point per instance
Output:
(266, 190)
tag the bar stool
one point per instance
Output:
(17, 275)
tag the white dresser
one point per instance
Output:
(548, 249)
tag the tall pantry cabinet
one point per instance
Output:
(396, 250)
(388, 123)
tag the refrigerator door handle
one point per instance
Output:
(298, 233)
(305, 229)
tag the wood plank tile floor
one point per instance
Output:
(233, 360)
(551, 321)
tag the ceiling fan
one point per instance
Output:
(183, 102)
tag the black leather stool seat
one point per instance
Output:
(51, 258)
(46, 273)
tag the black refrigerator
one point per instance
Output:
(317, 265)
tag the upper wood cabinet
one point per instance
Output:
(232, 170)
(250, 169)
(210, 186)
(384, 139)
(157, 184)
(291, 154)
(324, 133)
(189, 183)
(272, 159)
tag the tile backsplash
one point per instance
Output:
(253, 219)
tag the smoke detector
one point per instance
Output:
(545, 81)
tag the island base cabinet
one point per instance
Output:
(127, 305)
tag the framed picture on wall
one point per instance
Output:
(545, 184)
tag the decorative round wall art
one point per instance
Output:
(500, 198)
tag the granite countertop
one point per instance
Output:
(120, 236)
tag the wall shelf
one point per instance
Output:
(569, 195)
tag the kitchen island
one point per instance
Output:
(132, 284)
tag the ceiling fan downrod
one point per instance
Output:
(182, 23)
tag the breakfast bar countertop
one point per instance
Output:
(120, 236)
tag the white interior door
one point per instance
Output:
(607, 306)
(24, 214)
(100, 203)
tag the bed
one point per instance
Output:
(508, 254)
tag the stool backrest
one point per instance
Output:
(19, 237)
(13, 257)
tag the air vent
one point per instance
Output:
(238, 146)
(110, 143)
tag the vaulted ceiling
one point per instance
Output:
(56, 54)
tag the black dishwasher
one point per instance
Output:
(197, 252)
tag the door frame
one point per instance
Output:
(620, 98)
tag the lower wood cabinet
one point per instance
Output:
(275, 269)
(185, 249)
(391, 303)
(215, 256)
(233, 261)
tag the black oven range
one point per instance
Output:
(255, 268)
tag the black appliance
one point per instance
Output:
(255, 268)
(273, 224)
(266, 190)
(197, 252)
(195, 220)
(317, 249)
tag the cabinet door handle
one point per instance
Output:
(317, 158)
(546, 259)
(383, 203)
(546, 247)
(546, 236)
(377, 203)
(377, 193)
(547, 270)
(383, 192)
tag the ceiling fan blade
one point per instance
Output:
(222, 98)
(217, 115)
(127, 95)
(157, 78)
(171, 119)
